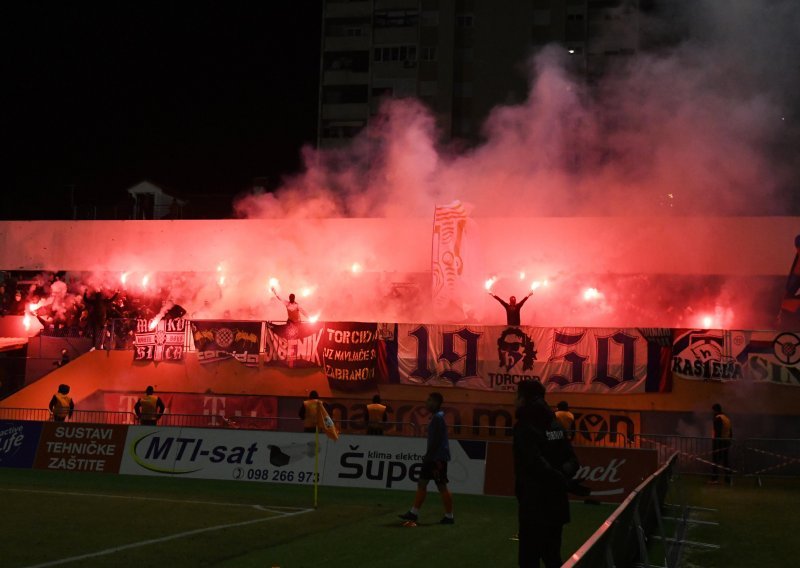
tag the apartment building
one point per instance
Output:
(459, 57)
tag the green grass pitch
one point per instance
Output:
(92, 520)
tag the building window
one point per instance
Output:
(427, 53)
(464, 54)
(344, 94)
(357, 61)
(430, 18)
(541, 17)
(465, 20)
(395, 18)
(462, 89)
(380, 92)
(395, 53)
(341, 128)
(346, 27)
(428, 88)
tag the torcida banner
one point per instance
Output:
(613, 361)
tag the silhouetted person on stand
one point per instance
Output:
(512, 307)
(293, 309)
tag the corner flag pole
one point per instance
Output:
(316, 463)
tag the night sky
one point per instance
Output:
(196, 98)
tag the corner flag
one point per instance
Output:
(325, 423)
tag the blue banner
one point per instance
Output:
(18, 443)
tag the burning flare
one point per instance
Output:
(591, 294)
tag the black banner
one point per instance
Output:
(293, 345)
(220, 340)
(162, 341)
(350, 355)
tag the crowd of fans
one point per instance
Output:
(66, 306)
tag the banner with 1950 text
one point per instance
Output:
(565, 359)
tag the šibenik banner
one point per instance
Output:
(617, 361)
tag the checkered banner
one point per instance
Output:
(162, 341)
(221, 340)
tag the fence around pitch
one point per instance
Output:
(282, 424)
(622, 538)
(761, 457)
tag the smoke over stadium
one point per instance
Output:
(628, 188)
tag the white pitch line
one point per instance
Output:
(162, 539)
(273, 508)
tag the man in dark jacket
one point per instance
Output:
(544, 464)
(512, 307)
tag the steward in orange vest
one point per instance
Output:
(149, 408)
(61, 405)
(308, 411)
(377, 415)
(566, 419)
(721, 445)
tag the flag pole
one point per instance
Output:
(316, 463)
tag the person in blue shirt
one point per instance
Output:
(434, 464)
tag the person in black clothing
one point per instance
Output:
(64, 358)
(512, 307)
(97, 308)
(434, 464)
(544, 465)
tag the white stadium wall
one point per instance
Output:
(733, 246)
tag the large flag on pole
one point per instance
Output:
(448, 257)
(789, 315)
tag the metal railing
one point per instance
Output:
(622, 539)
(276, 423)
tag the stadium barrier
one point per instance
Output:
(622, 538)
(749, 457)
(278, 423)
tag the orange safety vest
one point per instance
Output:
(148, 407)
(62, 405)
(310, 419)
(727, 426)
(566, 419)
(375, 412)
